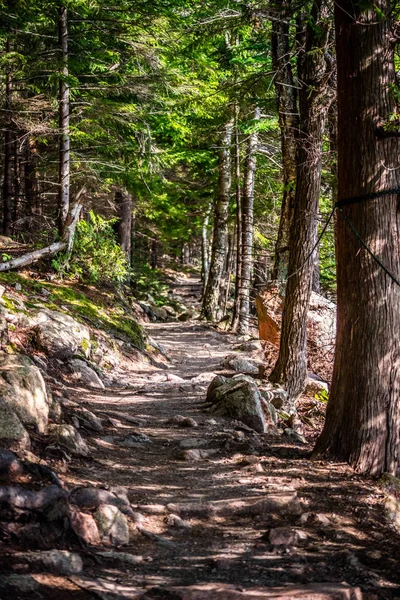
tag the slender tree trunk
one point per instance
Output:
(133, 237)
(64, 111)
(30, 181)
(247, 229)
(186, 254)
(315, 97)
(220, 234)
(8, 154)
(288, 123)
(316, 280)
(123, 201)
(154, 255)
(17, 183)
(205, 249)
(230, 258)
(363, 417)
(238, 196)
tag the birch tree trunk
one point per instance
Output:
(286, 91)
(315, 97)
(220, 232)
(363, 417)
(247, 228)
(238, 196)
(64, 111)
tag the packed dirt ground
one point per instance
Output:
(218, 510)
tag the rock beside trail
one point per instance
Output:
(182, 421)
(176, 521)
(59, 335)
(23, 389)
(238, 399)
(68, 437)
(284, 536)
(136, 440)
(86, 527)
(84, 374)
(391, 487)
(89, 419)
(13, 434)
(278, 397)
(10, 466)
(90, 498)
(113, 525)
(294, 436)
(61, 562)
(195, 454)
(18, 584)
(122, 557)
(241, 365)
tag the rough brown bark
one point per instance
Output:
(220, 234)
(123, 201)
(363, 417)
(286, 91)
(64, 150)
(314, 72)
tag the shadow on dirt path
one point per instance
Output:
(208, 520)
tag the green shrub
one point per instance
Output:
(96, 257)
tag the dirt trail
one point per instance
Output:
(225, 540)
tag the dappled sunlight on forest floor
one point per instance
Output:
(226, 504)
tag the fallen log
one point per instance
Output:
(65, 243)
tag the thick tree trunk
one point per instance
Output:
(247, 229)
(314, 73)
(363, 417)
(8, 154)
(123, 201)
(64, 109)
(220, 234)
(288, 123)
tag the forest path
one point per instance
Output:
(224, 497)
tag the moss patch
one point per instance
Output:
(101, 310)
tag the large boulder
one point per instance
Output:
(23, 389)
(13, 434)
(60, 335)
(239, 399)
